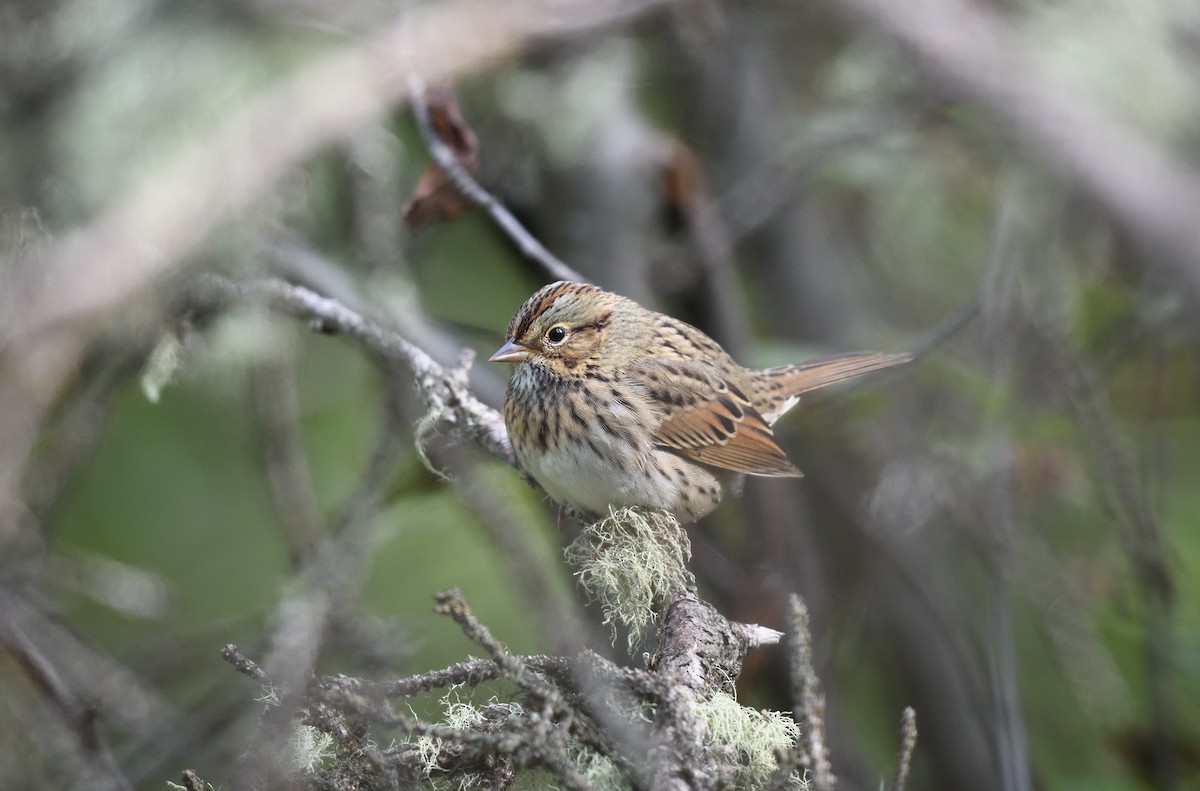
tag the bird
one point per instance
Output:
(612, 405)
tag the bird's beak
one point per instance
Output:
(510, 352)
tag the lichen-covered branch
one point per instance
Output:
(444, 391)
(584, 720)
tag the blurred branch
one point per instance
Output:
(277, 412)
(560, 622)
(808, 704)
(1126, 498)
(446, 159)
(1146, 190)
(711, 245)
(999, 337)
(67, 444)
(908, 743)
(78, 716)
(756, 198)
(443, 391)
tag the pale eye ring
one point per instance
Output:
(557, 335)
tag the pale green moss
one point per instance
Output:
(161, 367)
(310, 749)
(755, 736)
(601, 772)
(633, 562)
(459, 714)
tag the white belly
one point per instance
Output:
(592, 484)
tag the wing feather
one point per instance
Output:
(706, 419)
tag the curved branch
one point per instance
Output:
(443, 391)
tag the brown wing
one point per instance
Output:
(706, 419)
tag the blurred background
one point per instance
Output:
(1001, 534)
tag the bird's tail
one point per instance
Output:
(781, 387)
(802, 377)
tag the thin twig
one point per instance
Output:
(444, 156)
(451, 603)
(998, 250)
(244, 665)
(549, 749)
(289, 477)
(471, 672)
(808, 706)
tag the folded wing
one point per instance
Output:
(709, 420)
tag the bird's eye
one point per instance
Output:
(556, 335)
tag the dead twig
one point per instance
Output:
(242, 664)
(809, 752)
(466, 184)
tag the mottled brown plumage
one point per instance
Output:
(611, 404)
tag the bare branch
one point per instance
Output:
(451, 603)
(444, 156)
(444, 392)
(242, 664)
(471, 672)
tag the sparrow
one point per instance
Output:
(612, 405)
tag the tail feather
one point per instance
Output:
(802, 377)
(783, 385)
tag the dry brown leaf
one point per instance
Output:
(681, 182)
(435, 198)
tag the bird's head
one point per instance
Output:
(565, 326)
